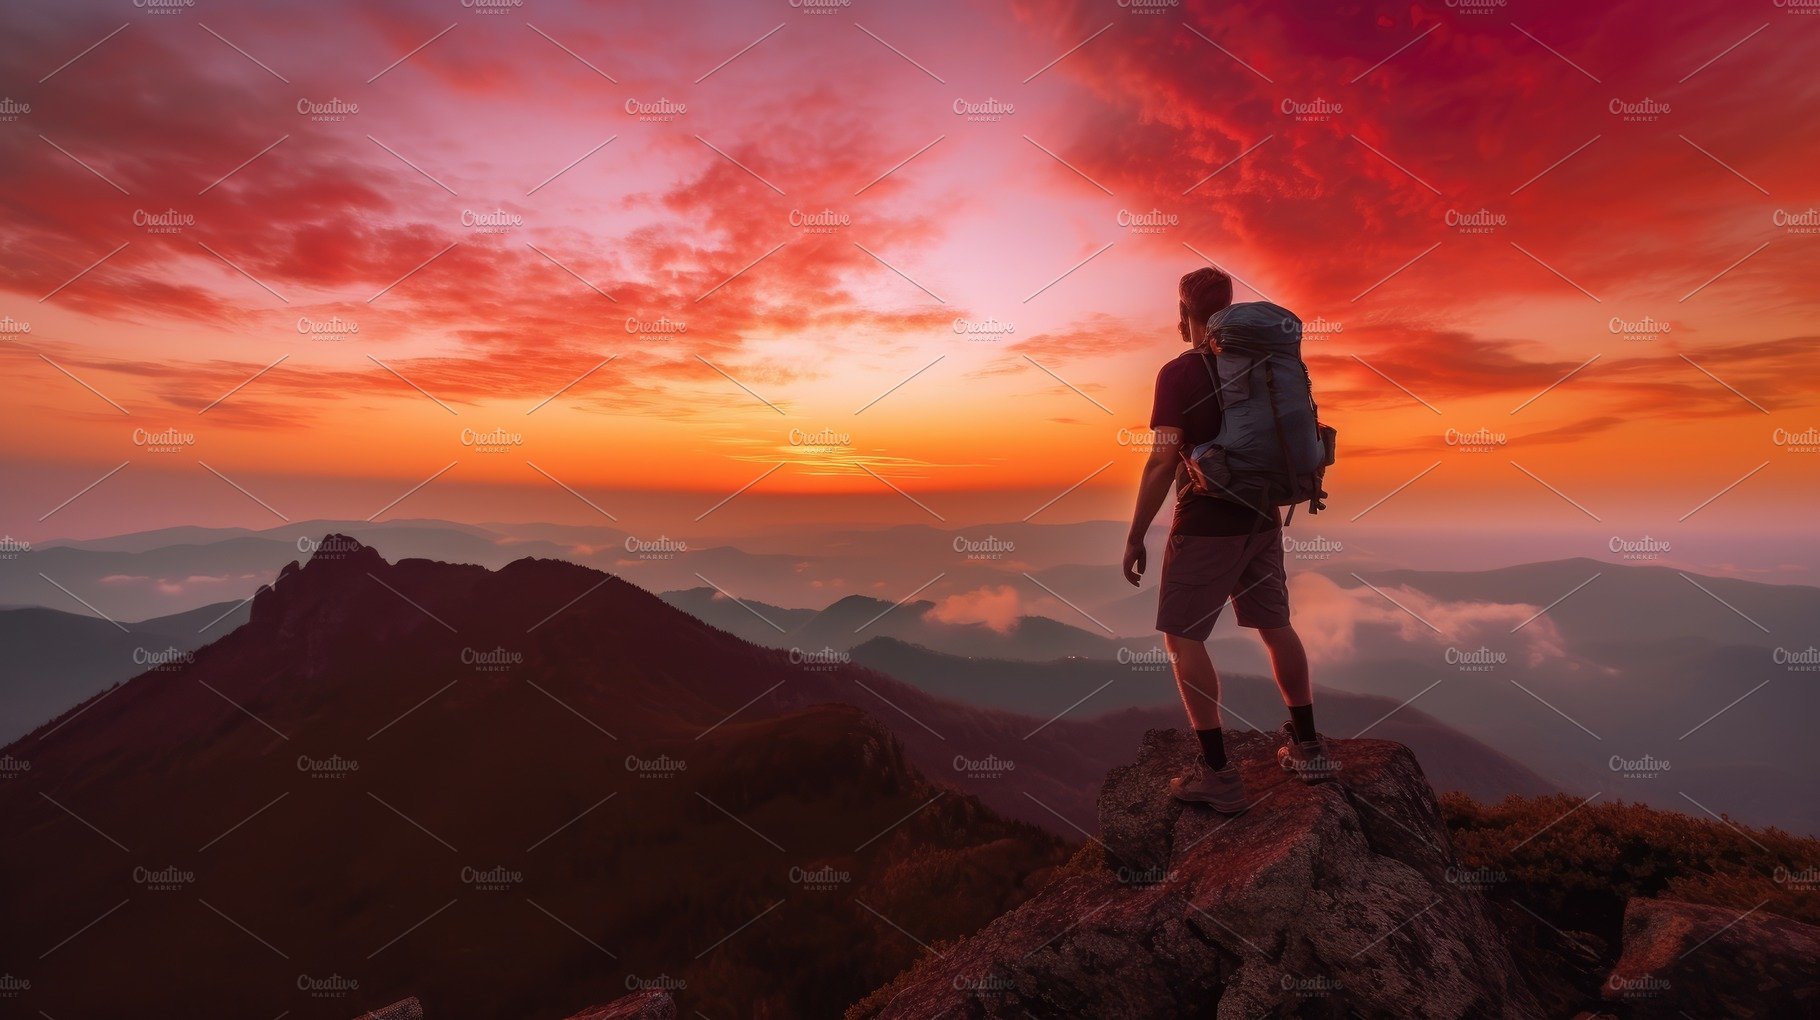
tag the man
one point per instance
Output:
(1217, 550)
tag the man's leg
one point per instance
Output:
(1262, 603)
(1198, 575)
(1195, 680)
(1198, 683)
(1289, 663)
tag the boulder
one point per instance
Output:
(647, 1005)
(1689, 959)
(403, 1009)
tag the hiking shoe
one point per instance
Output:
(1222, 789)
(1311, 761)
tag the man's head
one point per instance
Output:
(1203, 292)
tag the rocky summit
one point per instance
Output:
(1334, 900)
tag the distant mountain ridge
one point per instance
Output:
(855, 619)
(55, 660)
(1704, 681)
(1653, 662)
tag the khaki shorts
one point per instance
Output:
(1201, 572)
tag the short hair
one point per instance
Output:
(1203, 292)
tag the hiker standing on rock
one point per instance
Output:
(1234, 427)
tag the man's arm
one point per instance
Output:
(1153, 488)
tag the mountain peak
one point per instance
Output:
(345, 579)
(335, 548)
(855, 601)
(336, 556)
(1318, 899)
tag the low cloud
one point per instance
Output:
(998, 608)
(178, 585)
(1338, 624)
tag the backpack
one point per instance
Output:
(1271, 449)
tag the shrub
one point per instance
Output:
(1577, 866)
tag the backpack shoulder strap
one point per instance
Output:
(1212, 377)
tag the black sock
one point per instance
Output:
(1213, 747)
(1301, 719)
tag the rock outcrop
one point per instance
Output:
(1688, 959)
(648, 1005)
(403, 1009)
(1328, 901)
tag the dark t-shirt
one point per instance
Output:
(1185, 400)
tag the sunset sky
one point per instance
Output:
(1474, 203)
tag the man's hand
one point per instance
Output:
(1134, 561)
(1153, 488)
